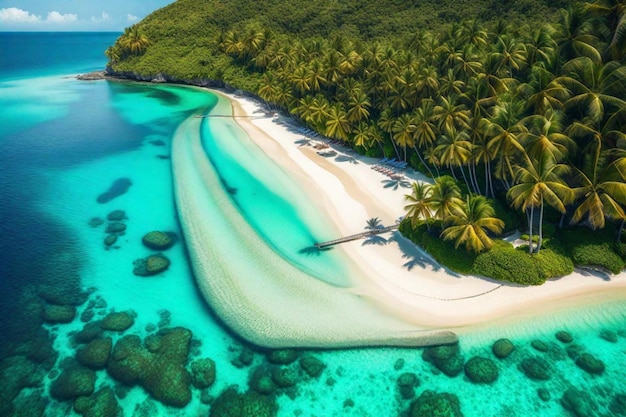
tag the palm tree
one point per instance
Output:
(510, 55)
(575, 37)
(134, 41)
(545, 135)
(337, 124)
(455, 150)
(594, 86)
(403, 130)
(614, 14)
(418, 208)
(602, 190)
(470, 223)
(503, 129)
(445, 196)
(537, 182)
(450, 114)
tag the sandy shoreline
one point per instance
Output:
(395, 280)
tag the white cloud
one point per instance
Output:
(15, 15)
(56, 17)
(103, 17)
(132, 18)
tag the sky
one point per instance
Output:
(74, 15)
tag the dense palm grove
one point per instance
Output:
(531, 116)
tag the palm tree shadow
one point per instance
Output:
(303, 141)
(375, 240)
(416, 256)
(395, 183)
(313, 251)
(346, 158)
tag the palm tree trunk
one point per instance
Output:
(493, 195)
(451, 168)
(464, 176)
(619, 232)
(422, 160)
(395, 149)
(540, 227)
(530, 231)
(474, 179)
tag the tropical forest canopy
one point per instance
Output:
(507, 104)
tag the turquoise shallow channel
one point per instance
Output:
(72, 311)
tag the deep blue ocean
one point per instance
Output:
(72, 153)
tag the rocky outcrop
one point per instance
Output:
(230, 403)
(96, 353)
(117, 322)
(502, 348)
(203, 373)
(446, 358)
(158, 366)
(433, 404)
(75, 381)
(158, 240)
(101, 404)
(152, 265)
(481, 370)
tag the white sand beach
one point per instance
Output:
(399, 291)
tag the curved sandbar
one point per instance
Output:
(253, 290)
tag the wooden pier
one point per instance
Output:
(362, 235)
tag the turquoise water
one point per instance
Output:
(63, 143)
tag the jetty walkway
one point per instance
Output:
(362, 235)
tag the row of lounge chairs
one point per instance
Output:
(393, 163)
(390, 167)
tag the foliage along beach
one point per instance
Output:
(511, 124)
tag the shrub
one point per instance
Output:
(553, 264)
(505, 263)
(592, 248)
(444, 252)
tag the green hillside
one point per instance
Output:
(185, 35)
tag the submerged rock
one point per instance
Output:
(432, 404)
(609, 336)
(580, 403)
(117, 322)
(312, 366)
(446, 358)
(284, 377)
(590, 364)
(96, 353)
(539, 345)
(232, 404)
(101, 404)
(115, 227)
(53, 313)
(502, 348)
(151, 265)
(261, 381)
(203, 373)
(116, 216)
(95, 222)
(161, 370)
(536, 368)
(282, 356)
(110, 240)
(75, 381)
(158, 240)
(16, 373)
(90, 331)
(564, 337)
(407, 382)
(481, 370)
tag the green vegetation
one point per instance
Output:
(522, 123)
